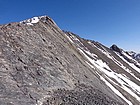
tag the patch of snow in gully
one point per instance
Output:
(131, 64)
(115, 90)
(120, 78)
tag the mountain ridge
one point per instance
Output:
(43, 65)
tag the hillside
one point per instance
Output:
(42, 65)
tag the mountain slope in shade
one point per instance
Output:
(42, 65)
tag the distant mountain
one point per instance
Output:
(42, 65)
(136, 57)
(129, 56)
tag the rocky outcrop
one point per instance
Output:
(116, 48)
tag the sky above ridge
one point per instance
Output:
(106, 21)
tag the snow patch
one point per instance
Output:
(92, 55)
(69, 38)
(126, 84)
(115, 90)
(126, 55)
(35, 20)
(31, 21)
(131, 64)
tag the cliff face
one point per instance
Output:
(42, 65)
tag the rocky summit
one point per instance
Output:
(42, 65)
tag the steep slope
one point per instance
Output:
(42, 65)
(114, 66)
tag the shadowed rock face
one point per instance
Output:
(116, 48)
(42, 65)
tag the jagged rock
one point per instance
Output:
(116, 48)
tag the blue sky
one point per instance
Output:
(106, 21)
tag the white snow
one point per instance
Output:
(117, 62)
(69, 38)
(120, 79)
(35, 20)
(123, 67)
(131, 64)
(91, 54)
(31, 21)
(115, 91)
(129, 57)
(105, 52)
(74, 37)
(125, 84)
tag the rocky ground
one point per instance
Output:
(81, 95)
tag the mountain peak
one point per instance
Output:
(116, 48)
(35, 20)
